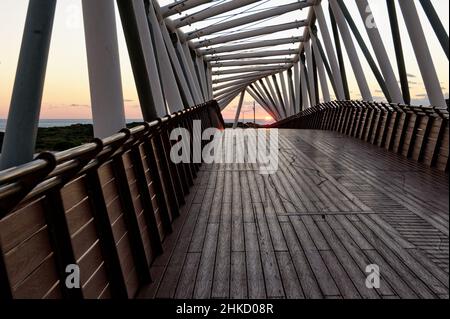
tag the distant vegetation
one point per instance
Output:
(63, 138)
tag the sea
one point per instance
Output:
(60, 123)
(68, 122)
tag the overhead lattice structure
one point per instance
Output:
(288, 55)
(351, 201)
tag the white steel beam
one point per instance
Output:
(252, 69)
(261, 102)
(287, 103)
(351, 51)
(252, 45)
(321, 70)
(211, 12)
(223, 92)
(270, 98)
(104, 67)
(260, 54)
(274, 97)
(423, 55)
(380, 51)
(179, 73)
(304, 85)
(150, 58)
(181, 6)
(209, 82)
(279, 94)
(200, 66)
(238, 111)
(23, 118)
(249, 34)
(297, 84)
(226, 101)
(291, 90)
(189, 72)
(240, 81)
(330, 51)
(258, 89)
(250, 62)
(239, 77)
(190, 61)
(168, 80)
(249, 19)
(312, 84)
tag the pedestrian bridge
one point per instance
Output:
(358, 206)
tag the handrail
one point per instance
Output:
(387, 125)
(47, 165)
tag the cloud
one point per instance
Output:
(79, 105)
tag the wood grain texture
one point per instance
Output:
(335, 206)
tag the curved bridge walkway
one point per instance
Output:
(335, 206)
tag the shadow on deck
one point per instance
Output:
(335, 206)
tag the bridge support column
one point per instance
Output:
(23, 118)
(188, 72)
(258, 99)
(312, 84)
(304, 85)
(423, 54)
(238, 111)
(330, 52)
(274, 97)
(168, 81)
(321, 70)
(191, 66)
(351, 51)
(104, 67)
(295, 104)
(200, 65)
(209, 82)
(380, 51)
(287, 102)
(297, 86)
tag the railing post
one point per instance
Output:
(137, 246)
(152, 227)
(162, 182)
(5, 287)
(105, 234)
(60, 239)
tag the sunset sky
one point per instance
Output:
(66, 93)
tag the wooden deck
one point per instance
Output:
(336, 205)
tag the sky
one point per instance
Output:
(66, 93)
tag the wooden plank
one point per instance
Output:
(324, 278)
(20, 225)
(238, 276)
(185, 288)
(255, 276)
(222, 269)
(205, 273)
(289, 276)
